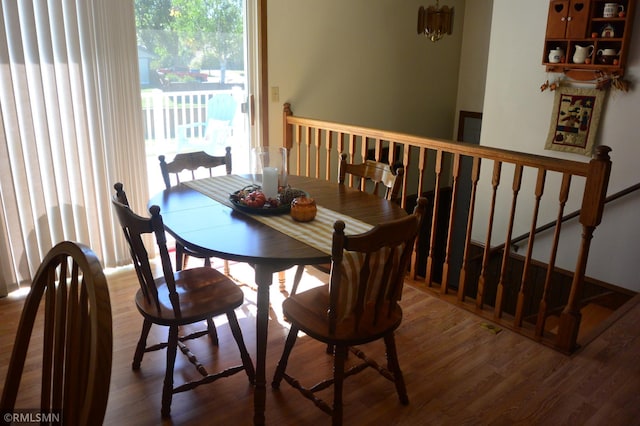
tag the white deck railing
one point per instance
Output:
(170, 118)
(170, 123)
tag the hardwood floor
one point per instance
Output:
(457, 371)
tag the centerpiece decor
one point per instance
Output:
(252, 199)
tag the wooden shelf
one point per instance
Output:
(572, 23)
(609, 19)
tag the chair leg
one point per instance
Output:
(180, 257)
(167, 389)
(213, 333)
(296, 279)
(282, 364)
(338, 377)
(394, 367)
(141, 346)
(244, 354)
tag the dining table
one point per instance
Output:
(200, 215)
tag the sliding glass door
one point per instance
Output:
(197, 76)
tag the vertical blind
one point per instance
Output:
(71, 127)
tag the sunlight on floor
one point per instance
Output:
(19, 293)
(243, 274)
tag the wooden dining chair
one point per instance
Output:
(175, 299)
(378, 176)
(192, 161)
(76, 341)
(360, 306)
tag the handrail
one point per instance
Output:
(486, 176)
(565, 218)
(461, 148)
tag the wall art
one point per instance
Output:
(574, 121)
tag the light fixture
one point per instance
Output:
(435, 21)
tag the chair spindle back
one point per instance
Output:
(368, 269)
(376, 172)
(77, 340)
(134, 228)
(192, 161)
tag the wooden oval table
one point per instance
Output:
(199, 222)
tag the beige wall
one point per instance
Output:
(361, 62)
(474, 58)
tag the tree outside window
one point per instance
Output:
(184, 36)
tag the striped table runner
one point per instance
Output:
(316, 233)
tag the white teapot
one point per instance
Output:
(607, 52)
(582, 53)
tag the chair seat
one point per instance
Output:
(204, 293)
(308, 311)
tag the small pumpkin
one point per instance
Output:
(255, 199)
(303, 209)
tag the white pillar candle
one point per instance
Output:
(270, 182)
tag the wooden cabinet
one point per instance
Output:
(568, 19)
(584, 26)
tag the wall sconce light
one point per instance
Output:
(435, 21)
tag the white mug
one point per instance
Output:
(611, 10)
(607, 52)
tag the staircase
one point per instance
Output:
(598, 301)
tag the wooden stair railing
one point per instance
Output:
(431, 164)
(572, 215)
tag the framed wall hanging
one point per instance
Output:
(574, 121)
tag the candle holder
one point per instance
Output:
(270, 169)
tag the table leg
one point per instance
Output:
(264, 276)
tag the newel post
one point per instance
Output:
(595, 192)
(287, 133)
(287, 129)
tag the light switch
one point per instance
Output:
(275, 94)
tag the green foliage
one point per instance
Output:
(209, 61)
(197, 33)
(153, 14)
(154, 30)
(173, 78)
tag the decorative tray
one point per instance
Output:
(251, 199)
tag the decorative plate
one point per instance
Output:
(237, 197)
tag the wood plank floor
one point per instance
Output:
(457, 371)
